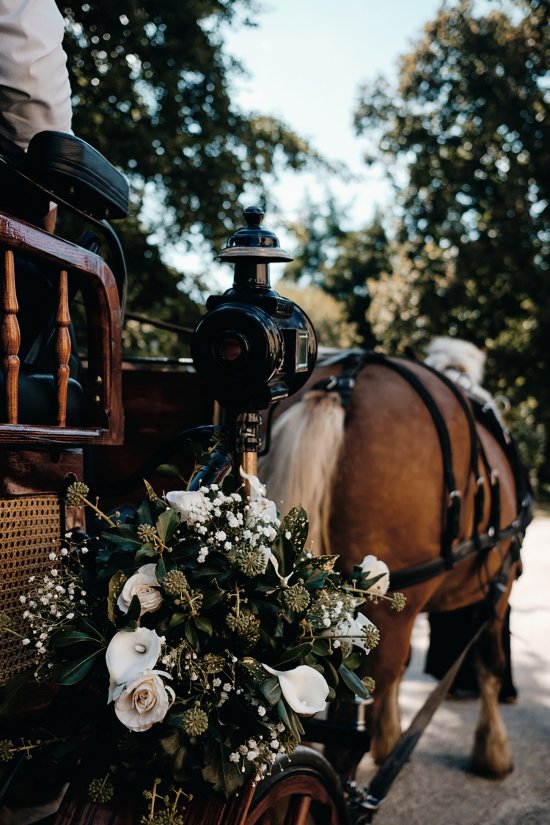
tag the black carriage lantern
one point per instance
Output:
(253, 347)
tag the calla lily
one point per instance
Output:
(352, 629)
(130, 653)
(188, 503)
(304, 688)
(376, 567)
(143, 584)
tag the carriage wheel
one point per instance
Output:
(302, 790)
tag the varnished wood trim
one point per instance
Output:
(10, 338)
(62, 348)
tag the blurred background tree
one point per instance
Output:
(151, 84)
(465, 135)
(343, 263)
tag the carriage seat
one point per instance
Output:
(76, 173)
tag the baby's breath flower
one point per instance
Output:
(195, 721)
(76, 492)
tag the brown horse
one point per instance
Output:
(369, 468)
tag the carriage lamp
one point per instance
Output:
(253, 347)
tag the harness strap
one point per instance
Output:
(344, 383)
(372, 797)
(476, 448)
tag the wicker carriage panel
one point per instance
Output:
(30, 529)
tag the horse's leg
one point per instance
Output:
(386, 723)
(491, 754)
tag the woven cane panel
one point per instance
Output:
(30, 529)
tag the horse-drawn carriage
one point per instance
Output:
(419, 481)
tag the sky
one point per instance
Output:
(305, 62)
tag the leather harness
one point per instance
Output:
(352, 363)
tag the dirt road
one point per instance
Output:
(435, 788)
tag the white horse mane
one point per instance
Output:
(454, 355)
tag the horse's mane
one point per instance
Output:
(306, 441)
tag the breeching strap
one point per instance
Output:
(369, 800)
(343, 384)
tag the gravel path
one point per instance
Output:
(435, 788)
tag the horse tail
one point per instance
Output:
(301, 465)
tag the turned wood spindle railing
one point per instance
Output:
(62, 348)
(10, 338)
(97, 415)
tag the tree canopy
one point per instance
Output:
(343, 263)
(151, 90)
(465, 134)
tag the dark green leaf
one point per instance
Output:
(353, 682)
(71, 636)
(191, 633)
(204, 624)
(168, 471)
(134, 610)
(167, 524)
(271, 689)
(74, 672)
(293, 654)
(222, 774)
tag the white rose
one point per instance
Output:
(144, 701)
(190, 504)
(304, 688)
(144, 585)
(352, 629)
(129, 653)
(375, 567)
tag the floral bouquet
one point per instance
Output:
(198, 633)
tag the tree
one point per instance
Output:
(345, 264)
(151, 91)
(467, 129)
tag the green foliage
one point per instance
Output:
(467, 128)
(151, 88)
(344, 264)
